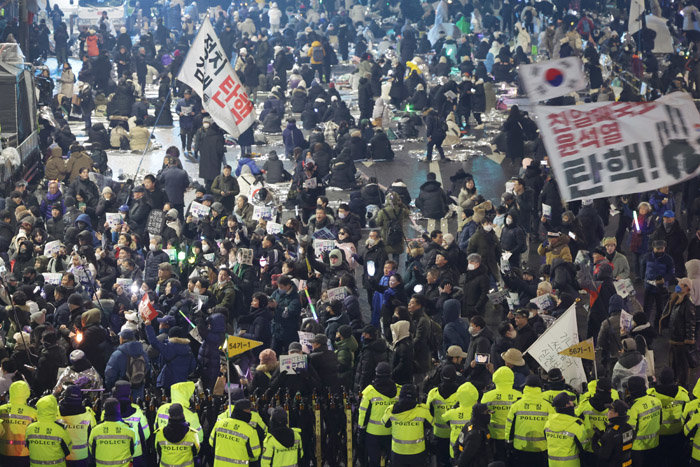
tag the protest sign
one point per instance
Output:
(624, 287)
(273, 228)
(625, 322)
(305, 339)
(155, 222)
(52, 248)
(263, 212)
(198, 210)
(208, 72)
(616, 148)
(338, 293)
(291, 363)
(172, 254)
(146, 309)
(557, 337)
(124, 281)
(53, 278)
(114, 219)
(498, 296)
(543, 302)
(321, 246)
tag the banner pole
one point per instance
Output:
(595, 368)
(228, 379)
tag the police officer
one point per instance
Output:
(499, 401)
(233, 440)
(673, 398)
(525, 425)
(440, 399)
(282, 446)
(47, 441)
(112, 442)
(256, 421)
(556, 384)
(181, 393)
(376, 398)
(408, 420)
(176, 443)
(473, 448)
(133, 416)
(645, 417)
(593, 410)
(565, 433)
(16, 416)
(613, 447)
(78, 420)
(458, 417)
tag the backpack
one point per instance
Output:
(317, 54)
(394, 233)
(136, 370)
(435, 338)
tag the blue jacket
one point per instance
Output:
(287, 317)
(119, 360)
(86, 219)
(292, 137)
(213, 335)
(150, 270)
(254, 169)
(176, 359)
(454, 332)
(657, 267)
(465, 234)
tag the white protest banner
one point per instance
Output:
(624, 287)
(52, 247)
(614, 148)
(273, 228)
(53, 278)
(321, 246)
(263, 212)
(552, 78)
(114, 219)
(338, 293)
(559, 336)
(305, 339)
(291, 363)
(198, 210)
(209, 73)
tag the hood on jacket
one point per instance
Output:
(217, 322)
(132, 348)
(696, 390)
(47, 409)
(503, 378)
(692, 267)
(347, 344)
(561, 422)
(315, 44)
(467, 395)
(431, 186)
(616, 304)
(400, 330)
(182, 392)
(92, 316)
(19, 393)
(451, 310)
(83, 218)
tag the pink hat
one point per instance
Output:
(268, 357)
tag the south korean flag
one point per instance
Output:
(553, 78)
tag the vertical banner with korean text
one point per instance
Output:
(209, 73)
(615, 148)
(560, 336)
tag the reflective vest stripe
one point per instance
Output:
(563, 458)
(163, 464)
(375, 422)
(500, 403)
(417, 419)
(407, 441)
(652, 436)
(101, 437)
(696, 446)
(670, 421)
(232, 432)
(233, 461)
(10, 441)
(79, 446)
(441, 425)
(18, 417)
(532, 412)
(54, 462)
(123, 461)
(363, 408)
(183, 443)
(565, 433)
(47, 437)
(498, 426)
(376, 399)
(647, 412)
(530, 438)
(459, 422)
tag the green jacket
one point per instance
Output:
(345, 350)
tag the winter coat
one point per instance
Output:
(258, 326)
(118, 363)
(372, 194)
(77, 161)
(372, 353)
(454, 331)
(325, 362)
(211, 154)
(562, 275)
(292, 138)
(345, 351)
(421, 341)
(679, 316)
(286, 318)
(402, 362)
(274, 170)
(486, 244)
(476, 286)
(176, 359)
(380, 147)
(67, 81)
(432, 200)
(629, 364)
(95, 341)
(174, 181)
(593, 228)
(213, 335)
(676, 244)
(342, 173)
(55, 168)
(385, 217)
(557, 248)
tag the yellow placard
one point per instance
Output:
(581, 350)
(237, 345)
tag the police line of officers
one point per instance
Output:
(532, 427)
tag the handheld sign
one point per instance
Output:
(155, 222)
(237, 345)
(581, 350)
(290, 363)
(52, 247)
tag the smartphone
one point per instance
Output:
(482, 358)
(572, 235)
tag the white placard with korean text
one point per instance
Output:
(305, 339)
(209, 73)
(198, 210)
(53, 278)
(52, 247)
(292, 363)
(624, 287)
(321, 246)
(114, 219)
(559, 336)
(614, 148)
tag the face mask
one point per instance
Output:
(153, 247)
(205, 247)
(509, 221)
(197, 290)
(341, 215)
(471, 266)
(667, 226)
(472, 331)
(371, 242)
(488, 228)
(205, 125)
(124, 270)
(658, 254)
(121, 245)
